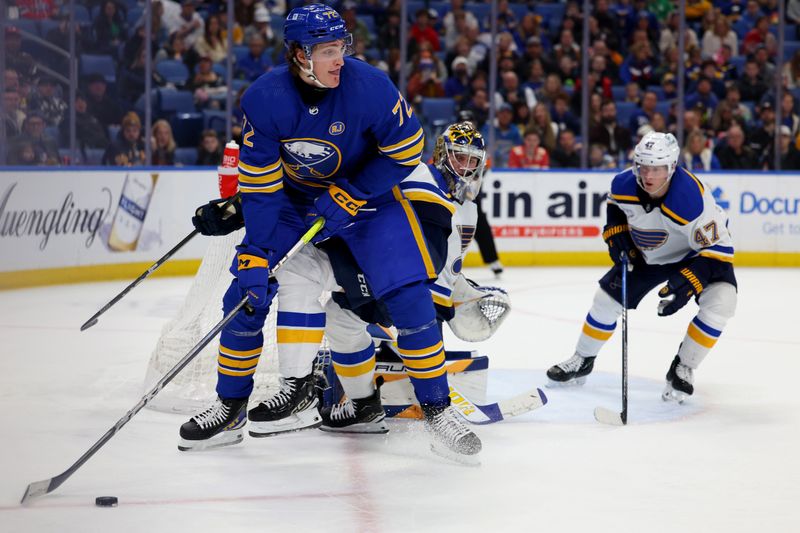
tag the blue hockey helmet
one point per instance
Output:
(460, 155)
(314, 24)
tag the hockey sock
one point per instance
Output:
(299, 338)
(717, 304)
(599, 324)
(236, 364)
(355, 371)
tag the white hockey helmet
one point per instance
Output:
(656, 150)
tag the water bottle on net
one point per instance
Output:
(229, 170)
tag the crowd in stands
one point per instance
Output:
(730, 61)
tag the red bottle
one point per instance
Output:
(229, 171)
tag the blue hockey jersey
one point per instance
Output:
(363, 132)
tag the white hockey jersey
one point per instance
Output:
(685, 223)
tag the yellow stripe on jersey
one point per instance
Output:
(674, 216)
(700, 337)
(430, 197)
(421, 352)
(272, 177)
(425, 362)
(404, 143)
(417, 231)
(236, 373)
(300, 335)
(235, 363)
(257, 171)
(625, 198)
(697, 181)
(239, 353)
(598, 334)
(718, 257)
(442, 300)
(412, 151)
(353, 371)
(272, 188)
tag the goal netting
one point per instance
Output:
(194, 387)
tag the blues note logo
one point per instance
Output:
(649, 239)
(310, 158)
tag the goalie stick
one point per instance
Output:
(155, 266)
(46, 486)
(602, 414)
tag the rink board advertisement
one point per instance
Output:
(57, 223)
(558, 217)
(79, 225)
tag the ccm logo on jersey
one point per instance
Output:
(345, 201)
(362, 284)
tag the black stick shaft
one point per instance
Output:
(624, 414)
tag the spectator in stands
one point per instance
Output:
(204, 76)
(457, 85)
(244, 12)
(506, 135)
(510, 91)
(59, 37)
(109, 29)
(766, 68)
(530, 26)
(47, 102)
(22, 62)
(566, 153)
(595, 110)
(424, 81)
(128, 149)
(261, 25)
(389, 33)
(209, 153)
(760, 35)
(702, 95)
(567, 46)
(543, 123)
(186, 22)
(791, 71)
(790, 156)
(45, 148)
(456, 21)
(529, 154)
(89, 132)
(644, 115)
(568, 72)
(733, 154)
(597, 33)
(422, 32)
(724, 65)
(638, 67)
(355, 26)
(562, 115)
(752, 14)
(536, 77)
(599, 159)
(740, 111)
(478, 106)
(669, 34)
(551, 88)
(669, 85)
(751, 85)
(212, 44)
(633, 93)
(694, 65)
(11, 80)
(131, 79)
(721, 34)
(522, 115)
(714, 76)
(21, 153)
(659, 123)
(13, 116)
(162, 144)
(697, 154)
(789, 116)
(102, 105)
(723, 118)
(762, 136)
(615, 139)
(256, 62)
(176, 50)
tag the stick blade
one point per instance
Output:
(89, 323)
(35, 490)
(528, 401)
(607, 416)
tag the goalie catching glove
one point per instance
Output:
(338, 206)
(479, 310)
(213, 219)
(689, 281)
(252, 265)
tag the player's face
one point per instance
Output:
(653, 180)
(328, 60)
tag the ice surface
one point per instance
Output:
(725, 461)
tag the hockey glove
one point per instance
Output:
(619, 242)
(338, 206)
(253, 274)
(681, 286)
(212, 219)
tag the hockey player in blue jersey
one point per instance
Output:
(667, 222)
(329, 136)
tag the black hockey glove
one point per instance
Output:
(619, 241)
(683, 285)
(212, 219)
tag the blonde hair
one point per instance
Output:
(171, 143)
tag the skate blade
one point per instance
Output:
(373, 428)
(455, 457)
(225, 438)
(577, 382)
(673, 395)
(309, 419)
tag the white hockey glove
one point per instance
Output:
(479, 311)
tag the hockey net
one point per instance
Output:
(194, 387)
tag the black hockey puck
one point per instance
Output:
(106, 501)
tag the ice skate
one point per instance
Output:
(362, 415)
(450, 436)
(292, 408)
(573, 371)
(219, 425)
(497, 268)
(679, 382)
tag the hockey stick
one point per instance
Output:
(40, 488)
(495, 412)
(155, 266)
(601, 414)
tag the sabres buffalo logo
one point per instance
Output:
(309, 158)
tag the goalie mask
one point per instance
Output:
(656, 150)
(460, 155)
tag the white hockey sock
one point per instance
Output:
(717, 305)
(599, 324)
